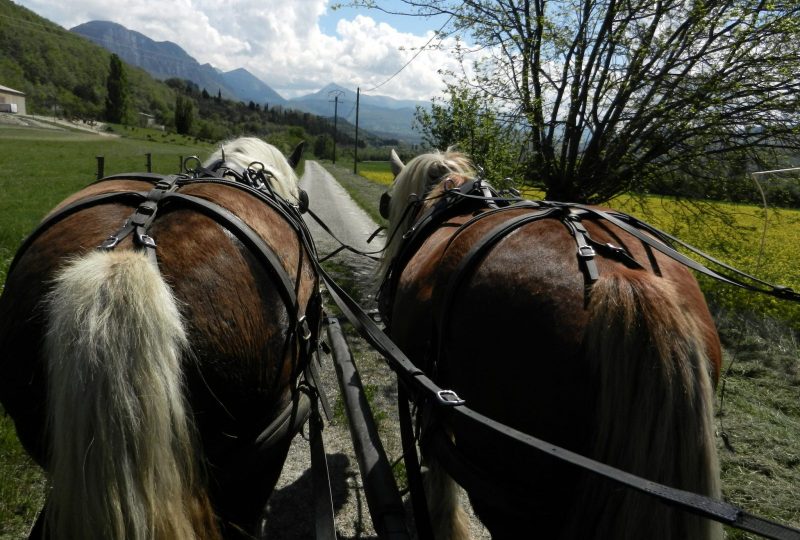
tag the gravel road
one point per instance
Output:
(289, 514)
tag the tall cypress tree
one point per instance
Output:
(184, 114)
(117, 87)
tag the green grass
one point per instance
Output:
(22, 486)
(41, 167)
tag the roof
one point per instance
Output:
(10, 90)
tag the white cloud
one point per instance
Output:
(279, 41)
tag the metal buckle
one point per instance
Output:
(109, 243)
(449, 397)
(586, 252)
(303, 323)
(147, 241)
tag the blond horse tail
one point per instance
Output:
(654, 408)
(121, 462)
(448, 518)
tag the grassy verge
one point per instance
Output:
(758, 399)
(364, 192)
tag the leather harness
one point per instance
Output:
(444, 405)
(305, 321)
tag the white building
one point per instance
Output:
(11, 100)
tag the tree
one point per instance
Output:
(613, 95)
(465, 121)
(117, 91)
(184, 114)
(323, 146)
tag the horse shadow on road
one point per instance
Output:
(290, 512)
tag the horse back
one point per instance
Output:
(506, 330)
(240, 365)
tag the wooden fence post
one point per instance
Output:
(101, 165)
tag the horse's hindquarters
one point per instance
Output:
(509, 333)
(237, 371)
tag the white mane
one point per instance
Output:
(240, 153)
(417, 179)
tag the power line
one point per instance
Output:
(435, 35)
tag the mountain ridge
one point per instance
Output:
(382, 115)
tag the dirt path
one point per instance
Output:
(290, 514)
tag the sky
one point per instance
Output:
(295, 46)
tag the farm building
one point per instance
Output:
(11, 100)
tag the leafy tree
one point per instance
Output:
(611, 95)
(184, 114)
(117, 91)
(465, 121)
(323, 146)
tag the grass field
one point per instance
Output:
(377, 171)
(759, 398)
(41, 167)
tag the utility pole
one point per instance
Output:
(335, 94)
(355, 150)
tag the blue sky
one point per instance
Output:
(295, 46)
(413, 25)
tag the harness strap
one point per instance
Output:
(635, 227)
(342, 245)
(320, 479)
(471, 259)
(143, 217)
(248, 237)
(325, 524)
(419, 501)
(621, 221)
(586, 252)
(52, 219)
(289, 420)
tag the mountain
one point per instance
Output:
(248, 87)
(165, 60)
(381, 115)
(384, 116)
(62, 71)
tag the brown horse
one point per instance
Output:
(614, 359)
(147, 377)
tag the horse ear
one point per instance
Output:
(297, 153)
(397, 163)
